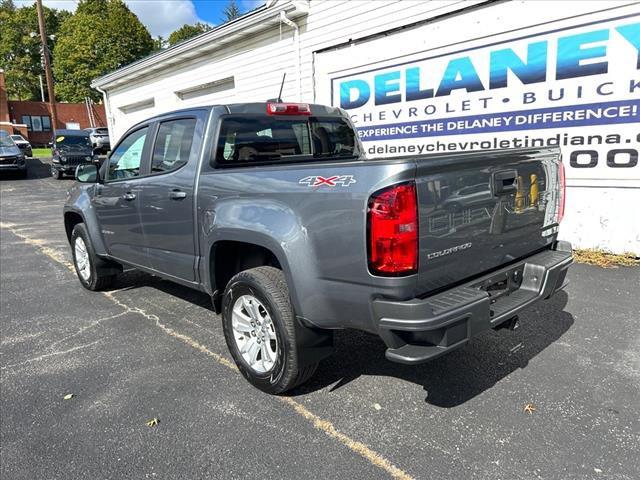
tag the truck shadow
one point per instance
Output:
(459, 376)
(448, 381)
(39, 168)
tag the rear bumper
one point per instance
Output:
(101, 143)
(420, 330)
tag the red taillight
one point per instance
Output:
(563, 191)
(288, 109)
(393, 230)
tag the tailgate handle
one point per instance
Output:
(505, 182)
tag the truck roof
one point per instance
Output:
(70, 133)
(254, 108)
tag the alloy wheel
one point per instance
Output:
(254, 333)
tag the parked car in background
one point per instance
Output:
(11, 157)
(295, 233)
(99, 139)
(70, 148)
(23, 145)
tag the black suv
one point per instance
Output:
(69, 149)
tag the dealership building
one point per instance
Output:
(433, 77)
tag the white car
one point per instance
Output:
(23, 145)
(99, 138)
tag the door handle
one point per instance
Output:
(505, 182)
(129, 196)
(177, 194)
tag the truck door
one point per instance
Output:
(168, 202)
(117, 200)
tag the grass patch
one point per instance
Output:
(604, 259)
(41, 152)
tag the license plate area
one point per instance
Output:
(501, 284)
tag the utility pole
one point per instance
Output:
(47, 66)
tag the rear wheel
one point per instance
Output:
(259, 328)
(87, 263)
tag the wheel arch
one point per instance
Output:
(230, 255)
(72, 217)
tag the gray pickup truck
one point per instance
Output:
(274, 211)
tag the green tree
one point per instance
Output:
(231, 11)
(159, 43)
(20, 48)
(101, 36)
(92, 7)
(187, 31)
(128, 39)
(7, 6)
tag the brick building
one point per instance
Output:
(33, 120)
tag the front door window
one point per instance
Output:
(125, 160)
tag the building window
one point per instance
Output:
(26, 119)
(37, 123)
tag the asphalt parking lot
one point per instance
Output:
(152, 349)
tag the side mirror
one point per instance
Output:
(87, 173)
(50, 144)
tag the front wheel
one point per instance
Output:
(86, 261)
(57, 174)
(259, 328)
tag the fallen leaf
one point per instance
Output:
(153, 422)
(68, 396)
(529, 408)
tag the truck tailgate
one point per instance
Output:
(479, 211)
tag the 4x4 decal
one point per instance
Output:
(333, 181)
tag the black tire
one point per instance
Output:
(57, 174)
(269, 286)
(98, 280)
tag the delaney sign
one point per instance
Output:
(575, 87)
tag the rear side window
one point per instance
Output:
(250, 140)
(173, 145)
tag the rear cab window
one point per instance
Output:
(250, 140)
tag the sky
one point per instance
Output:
(161, 17)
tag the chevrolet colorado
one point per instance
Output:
(273, 210)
